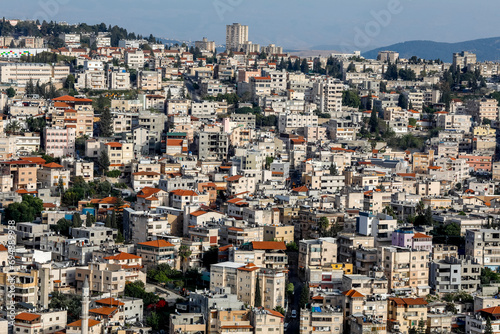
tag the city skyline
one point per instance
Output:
(362, 25)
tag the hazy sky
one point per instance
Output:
(355, 24)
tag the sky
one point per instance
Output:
(294, 24)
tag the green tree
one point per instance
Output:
(184, 254)
(119, 237)
(11, 92)
(351, 98)
(77, 220)
(211, 256)
(106, 123)
(421, 326)
(62, 226)
(269, 161)
(412, 122)
(70, 302)
(292, 247)
(154, 321)
(89, 220)
(323, 225)
(333, 170)
(488, 329)
(103, 161)
(290, 288)
(258, 293)
(373, 123)
(402, 101)
(304, 296)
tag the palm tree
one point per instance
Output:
(13, 127)
(420, 208)
(184, 254)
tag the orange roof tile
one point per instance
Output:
(249, 267)
(234, 178)
(110, 301)
(146, 173)
(421, 236)
(67, 98)
(157, 243)
(36, 160)
(53, 165)
(114, 144)
(198, 213)
(27, 316)
(122, 256)
(147, 192)
(353, 294)
(274, 245)
(78, 323)
(181, 192)
(106, 311)
(302, 189)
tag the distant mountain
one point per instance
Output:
(487, 49)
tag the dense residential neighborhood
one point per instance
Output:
(198, 188)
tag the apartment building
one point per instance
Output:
(187, 323)
(118, 78)
(52, 175)
(241, 279)
(72, 112)
(22, 73)
(289, 122)
(107, 278)
(407, 269)
(119, 153)
(236, 34)
(405, 313)
(134, 58)
(156, 252)
(59, 142)
(348, 243)
(482, 246)
(455, 274)
(22, 172)
(321, 319)
(149, 80)
(212, 146)
(42, 322)
(422, 161)
(328, 95)
(205, 45)
(320, 252)
(483, 109)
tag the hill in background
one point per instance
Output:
(487, 49)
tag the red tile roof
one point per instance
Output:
(110, 301)
(198, 213)
(353, 294)
(27, 316)
(53, 165)
(106, 311)
(122, 256)
(157, 243)
(181, 192)
(234, 178)
(78, 323)
(147, 192)
(114, 144)
(269, 245)
(67, 98)
(302, 189)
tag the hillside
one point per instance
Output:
(487, 49)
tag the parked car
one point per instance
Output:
(294, 314)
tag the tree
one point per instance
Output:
(69, 83)
(421, 326)
(11, 92)
(351, 68)
(290, 288)
(210, 257)
(184, 254)
(62, 226)
(153, 320)
(70, 302)
(258, 293)
(106, 123)
(489, 276)
(373, 122)
(77, 220)
(304, 66)
(292, 247)
(89, 220)
(402, 101)
(103, 161)
(269, 161)
(30, 88)
(333, 170)
(351, 98)
(60, 186)
(304, 296)
(323, 224)
(488, 329)
(412, 122)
